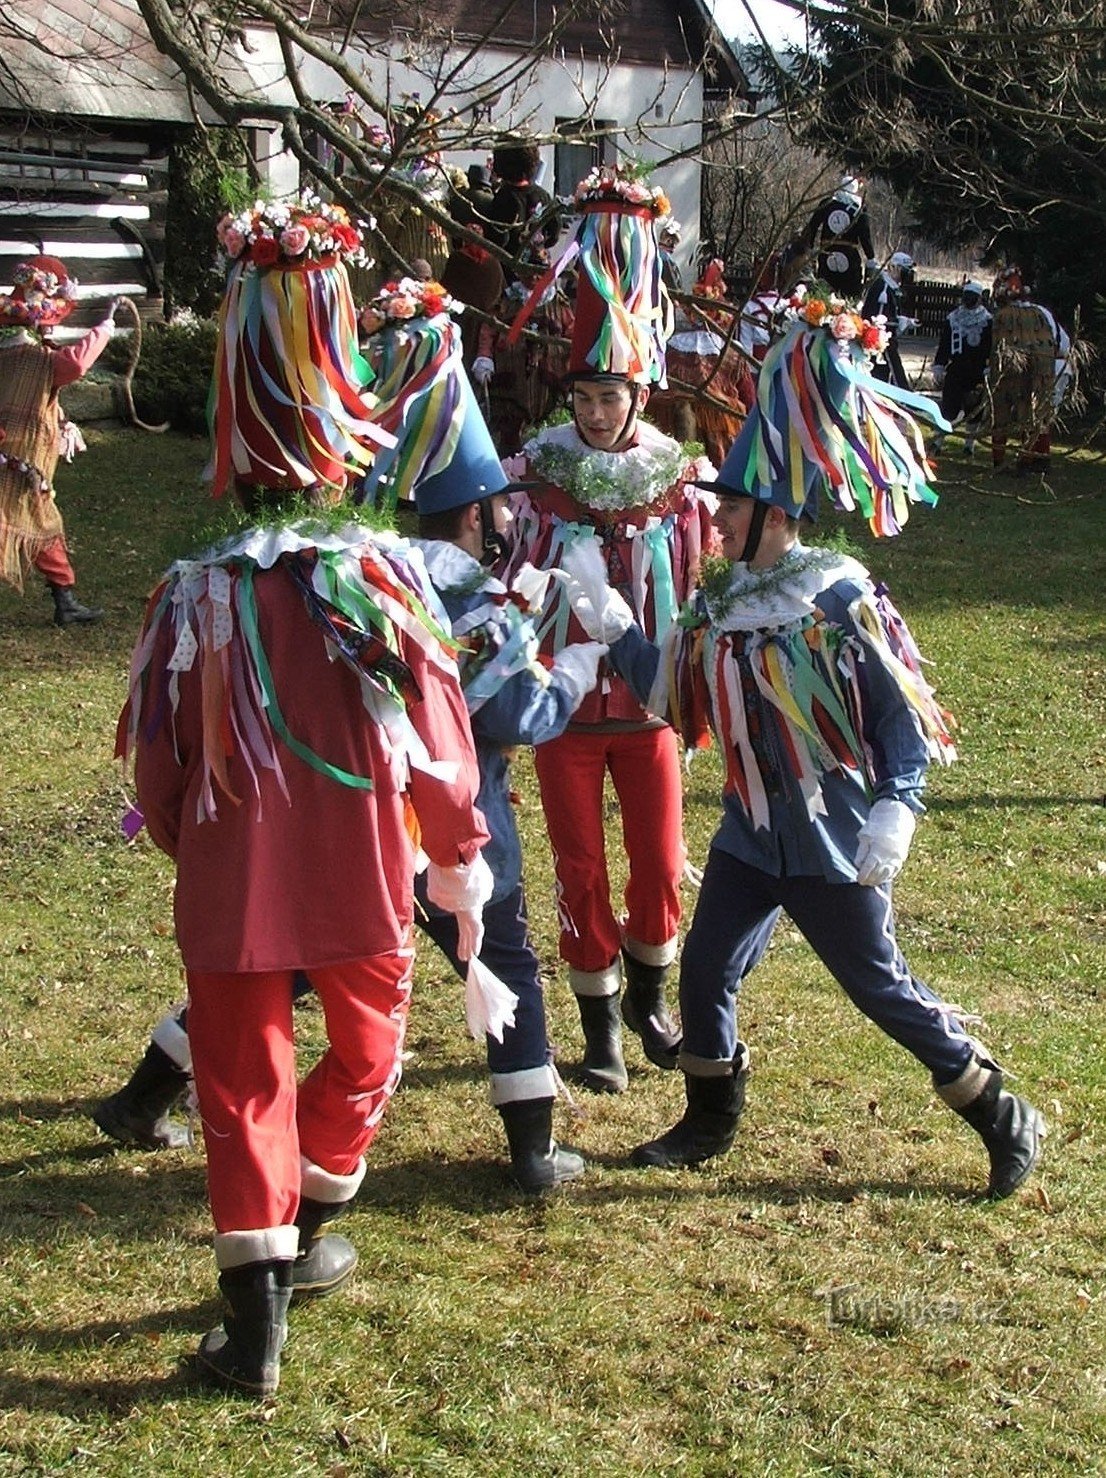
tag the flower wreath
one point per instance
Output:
(615, 185)
(402, 299)
(820, 307)
(290, 233)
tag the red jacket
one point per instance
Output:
(323, 875)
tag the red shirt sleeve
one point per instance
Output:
(76, 359)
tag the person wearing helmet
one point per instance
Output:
(33, 426)
(808, 678)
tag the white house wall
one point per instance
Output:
(660, 111)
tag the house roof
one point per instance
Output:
(679, 32)
(96, 59)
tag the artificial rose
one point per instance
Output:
(265, 251)
(233, 242)
(401, 306)
(873, 338)
(814, 311)
(294, 240)
(347, 237)
(843, 327)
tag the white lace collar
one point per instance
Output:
(607, 481)
(782, 595)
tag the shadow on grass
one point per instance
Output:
(117, 1397)
(1025, 802)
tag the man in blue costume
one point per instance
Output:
(811, 684)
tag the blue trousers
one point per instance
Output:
(508, 953)
(849, 927)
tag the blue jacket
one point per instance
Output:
(512, 699)
(875, 748)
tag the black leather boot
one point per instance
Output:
(324, 1262)
(139, 1112)
(244, 1355)
(603, 1069)
(714, 1106)
(645, 1012)
(538, 1162)
(1011, 1129)
(68, 609)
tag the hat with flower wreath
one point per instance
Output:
(444, 456)
(624, 316)
(43, 294)
(289, 408)
(822, 424)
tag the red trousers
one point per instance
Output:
(256, 1125)
(644, 766)
(53, 565)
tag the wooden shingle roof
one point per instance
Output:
(95, 59)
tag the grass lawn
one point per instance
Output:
(831, 1298)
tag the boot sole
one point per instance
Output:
(213, 1375)
(601, 1085)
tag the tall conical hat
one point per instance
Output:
(822, 425)
(623, 315)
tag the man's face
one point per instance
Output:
(731, 519)
(602, 409)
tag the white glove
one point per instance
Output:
(884, 842)
(601, 611)
(575, 668)
(463, 891)
(905, 325)
(873, 265)
(938, 375)
(483, 369)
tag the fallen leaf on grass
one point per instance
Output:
(1042, 1199)
(86, 1210)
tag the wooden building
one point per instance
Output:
(89, 110)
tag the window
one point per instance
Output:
(586, 143)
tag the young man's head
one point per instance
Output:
(478, 528)
(605, 410)
(751, 531)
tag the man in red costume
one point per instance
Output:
(32, 428)
(610, 477)
(299, 730)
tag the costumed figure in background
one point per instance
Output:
(290, 411)
(34, 433)
(524, 218)
(701, 355)
(762, 311)
(294, 700)
(474, 278)
(840, 236)
(812, 686)
(1030, 372)
(610, 479)
(886, 299)
(669, 234)
(521, 380)
(960, 364)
